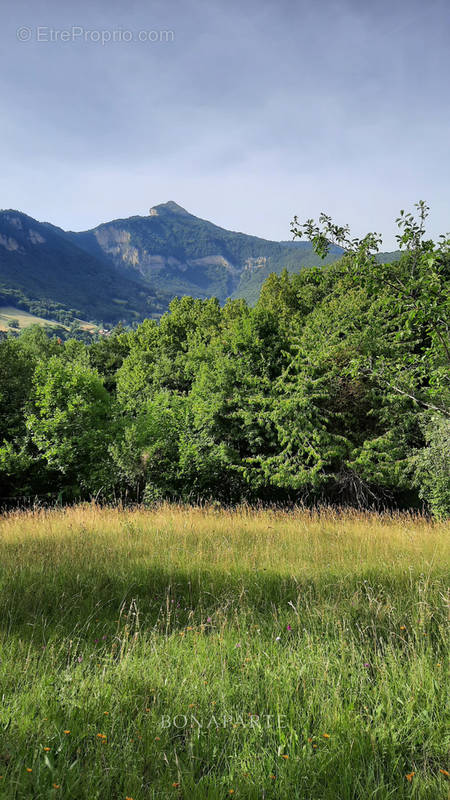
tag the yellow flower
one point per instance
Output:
(444, 772)
(101, 735)
(47, 749)
(106, 713)
(403, 627)
(56, 785)
(410, 776)
(284, 756)
(326, 735)
(66, 731)
(29, 769)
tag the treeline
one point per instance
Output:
(333, 388)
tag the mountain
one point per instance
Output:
(177, 252)
(43, 271)
(128, 269)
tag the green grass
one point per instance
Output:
(116, 622)
(25, 319)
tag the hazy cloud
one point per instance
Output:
(253, 112)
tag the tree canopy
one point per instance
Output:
(333, 388)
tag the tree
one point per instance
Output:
(418, 287)
(69, 421)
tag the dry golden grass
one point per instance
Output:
(284, 541)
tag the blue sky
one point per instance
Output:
(251, 112)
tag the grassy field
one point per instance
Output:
(199, 653)
(25, 319)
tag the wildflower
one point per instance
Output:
(157, 739)
(175, 785)
(238, 644)
(403, 627)
(315, 746)
(288, 628)
(56, 785)
(309, 739)
(106, 713)
(66, 732)
(189, 628)
(29, 769)
(231, 791)
(278, 638)
(410, 776)
(103, 637)
(444, 772)
(326, 735)
(209, 619)
(80, 659)
(101, 736)
(285, 757)
(148, 709)
(47, 749)
(272, 777)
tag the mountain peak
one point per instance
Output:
(169, 206)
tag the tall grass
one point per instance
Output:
(203, 653)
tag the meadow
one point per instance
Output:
(186, 652)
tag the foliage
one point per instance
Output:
(333, 388)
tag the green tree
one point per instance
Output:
(69, 421)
